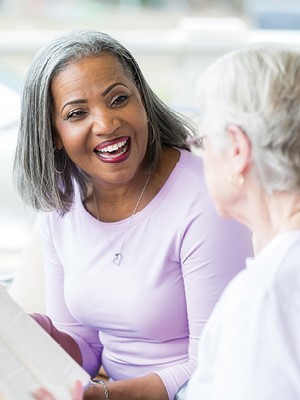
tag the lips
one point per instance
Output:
(114, 150)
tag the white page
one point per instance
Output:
(30, 358)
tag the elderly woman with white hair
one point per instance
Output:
(250, 348)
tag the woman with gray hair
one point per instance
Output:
(135, 254)
(250, 347)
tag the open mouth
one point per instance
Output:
(114, 151)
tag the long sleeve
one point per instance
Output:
(56, 307)
(213, 251)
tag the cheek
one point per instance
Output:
(139, 122)
(218, 188)
(138, 116)
(69, 135)
(212, 174)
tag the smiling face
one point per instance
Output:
(99, 118)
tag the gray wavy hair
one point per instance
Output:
(258, 89)
(45, 177)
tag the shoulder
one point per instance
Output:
(269, 283)
(188, 175)
(286, 282)
(274, 272)
(54, 218)
(191, 164)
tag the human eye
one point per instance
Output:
(75, 114)
(119, 100)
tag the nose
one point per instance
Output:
(105, 123)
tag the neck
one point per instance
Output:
(291, 222)
(122, 207)
(275, 214)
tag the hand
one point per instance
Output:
(65, 340)
(76, 392)
(43, 320)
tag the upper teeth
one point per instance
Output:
(113, 147)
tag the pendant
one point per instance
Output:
(117, 259)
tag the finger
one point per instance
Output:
(43, 394)
(77, 391)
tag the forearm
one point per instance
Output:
(83, 346)
(149, 387)
(69, 344)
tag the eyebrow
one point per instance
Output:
(106, 91)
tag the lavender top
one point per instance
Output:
(146, 315)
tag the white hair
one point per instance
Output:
(258, 89)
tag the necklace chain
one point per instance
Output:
(118, 257)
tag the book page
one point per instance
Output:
(30, 358)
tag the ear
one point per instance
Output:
(239, 149)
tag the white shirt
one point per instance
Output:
(250, 347)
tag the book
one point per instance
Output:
(30, 358)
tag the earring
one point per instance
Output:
(61, 159)
(153, 131)
(240, 179)
(236, 179)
